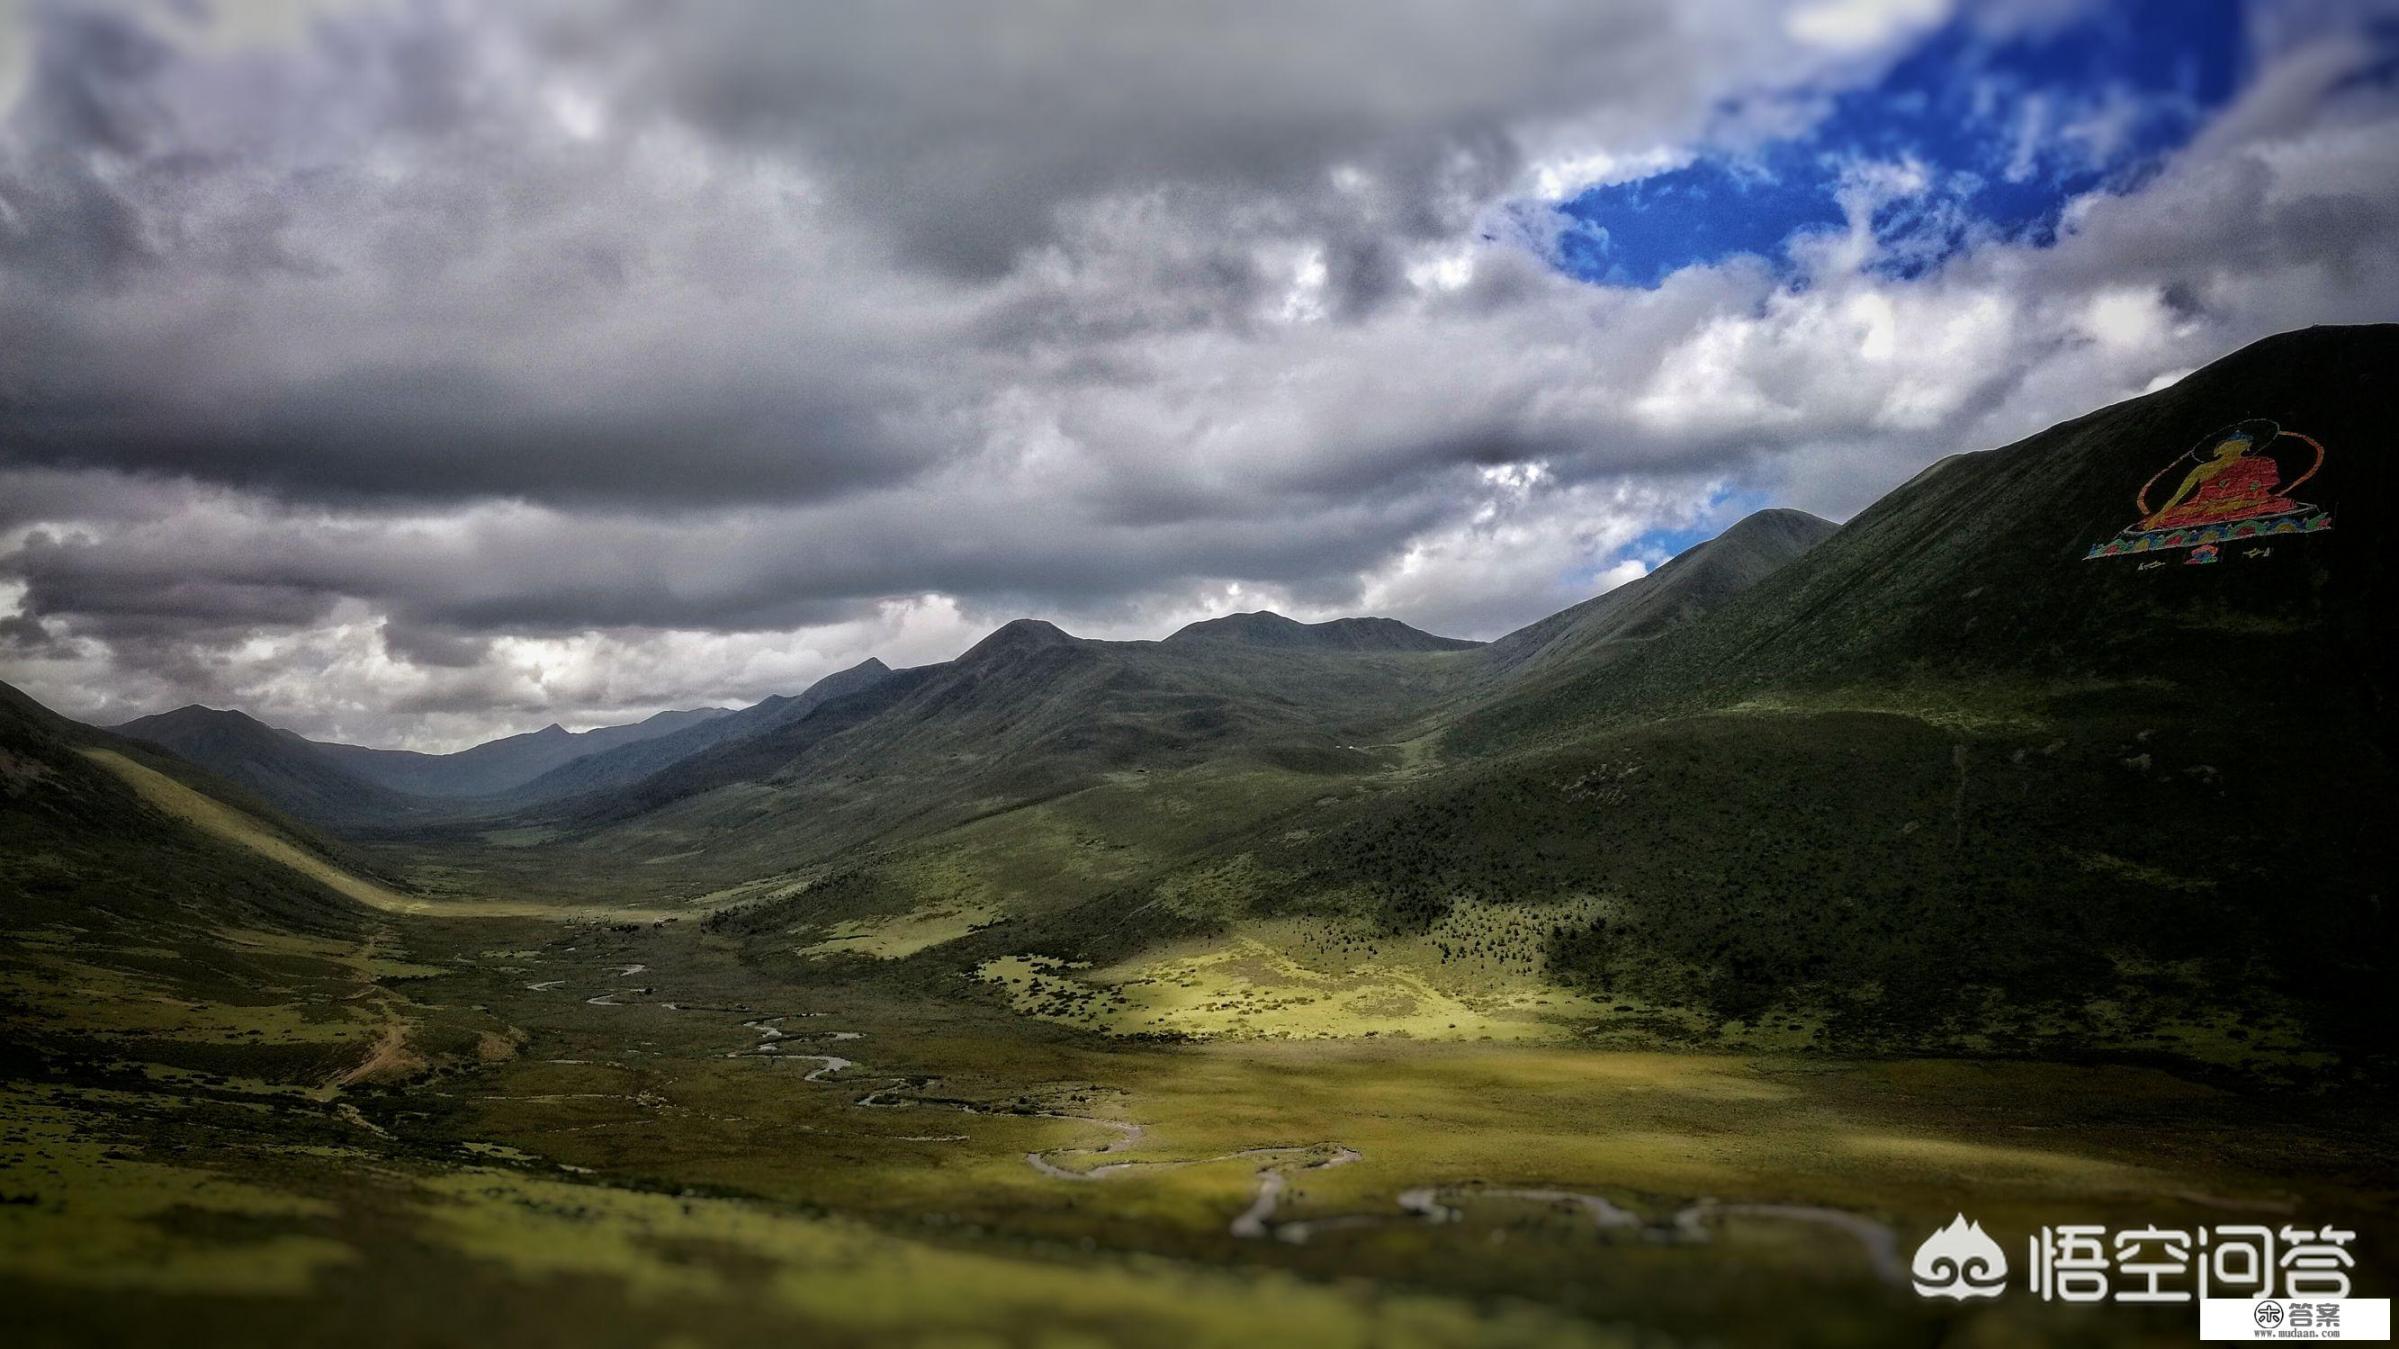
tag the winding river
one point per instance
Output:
(1437, 1204)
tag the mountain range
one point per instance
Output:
(1054, 704)
(502, 765)
(1948, 757)
(351, 786)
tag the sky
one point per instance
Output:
(411, 372)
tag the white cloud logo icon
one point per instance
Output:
(1960, 1261)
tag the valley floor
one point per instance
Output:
(510, 1130)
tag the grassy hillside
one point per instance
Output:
(143, 941)
(1039, 770)
(1030, 714)
(1033, 714)
(165, 929)
(1685, 589)
(82, 848)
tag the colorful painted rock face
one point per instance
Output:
(2235, 484)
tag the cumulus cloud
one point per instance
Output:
(415, 371)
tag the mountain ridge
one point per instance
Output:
(624, 765)
(297, 775)
(504, 764)
(1683, 588)
(1264, 627)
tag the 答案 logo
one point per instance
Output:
(1960, 1261)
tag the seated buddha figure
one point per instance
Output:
(2230, 482)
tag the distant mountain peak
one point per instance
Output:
(190, 716)
(685, 714)
(1022, 634)
(201, 711)
(1685, 587)
(1775, 526)
(1264, 627)
(284, 769)
(1258, 624)
(624, 765)
(1782, 517)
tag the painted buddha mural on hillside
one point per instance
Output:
(2235, 484)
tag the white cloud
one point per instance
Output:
(1856, 25)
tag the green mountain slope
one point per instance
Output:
(1029, 714)
(173, 944)
(1684, 589)
(1226, 721)
(81, 849)
(296, 776)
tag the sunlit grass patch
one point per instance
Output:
(1989, 707)
(891, 937)
(1248, 987)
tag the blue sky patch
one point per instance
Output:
(1966, 137)
(1657, 546)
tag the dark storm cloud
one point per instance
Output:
(450, 431)
(966, 127)
(115, 596)
(24, 638)
(657, 258)
(386, 263)
(446, 582)
(70, 227)
(431, 644)
(385, 271)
